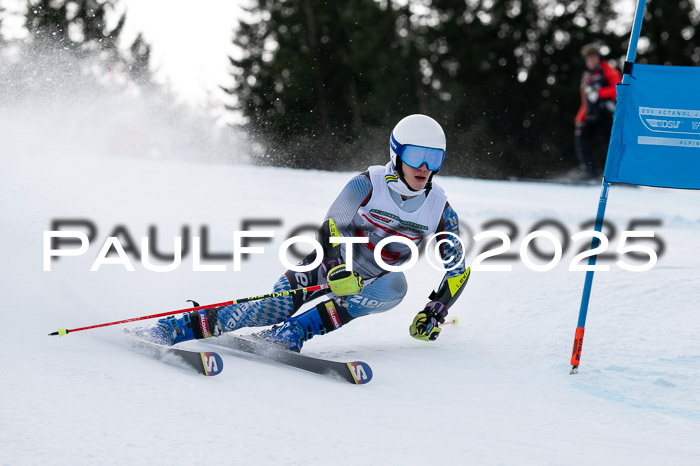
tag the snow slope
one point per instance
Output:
(494, 390)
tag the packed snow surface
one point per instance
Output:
(495, 389)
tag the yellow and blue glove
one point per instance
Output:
(426, 324)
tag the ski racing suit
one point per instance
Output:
(366, 207)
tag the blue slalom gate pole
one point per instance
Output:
(583, 311)
(634, 38)
(600, 215)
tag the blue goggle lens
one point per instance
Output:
(415, 156)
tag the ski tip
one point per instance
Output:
(574, 370)
(212, 363)
(361, 372)
(60, 333)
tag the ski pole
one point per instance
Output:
(451, 321)
(308, 289)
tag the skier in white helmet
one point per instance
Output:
(398, 199)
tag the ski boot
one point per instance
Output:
(192, 325)
(294, 331)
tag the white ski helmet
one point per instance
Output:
(417, 132)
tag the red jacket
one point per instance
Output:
(606, 92)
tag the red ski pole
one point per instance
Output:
(308, 289)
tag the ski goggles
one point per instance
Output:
(415, 156)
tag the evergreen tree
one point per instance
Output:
(672, 30)
(513, 69)
(501, 76)
(138, 61)
(2, 40)
(91, 21)
(319, 83)
(80, 27)
(48, 22)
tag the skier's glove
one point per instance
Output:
(425, 326)
(330, 263)
(343, 282)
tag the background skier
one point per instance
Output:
(595, 116)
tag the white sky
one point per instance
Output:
(190, 45)
(190, 42)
